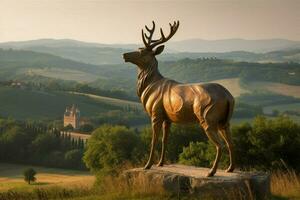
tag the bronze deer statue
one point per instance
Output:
(167, 101)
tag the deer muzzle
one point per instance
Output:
(131, 57)
(126, 57)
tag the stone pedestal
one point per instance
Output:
(182, 179)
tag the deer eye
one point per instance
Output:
(142, 53)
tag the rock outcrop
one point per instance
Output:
(182, 179)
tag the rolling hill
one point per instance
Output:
(17, 62)
(39, 105)
(92, 53)
(86, 54)
(24, 65)
(289, 55)
(199, 70)
(240, 78)
(226, 45)
(275, 50)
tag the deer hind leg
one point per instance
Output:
(226, 135)
(156, 127)
(166, 128)
(211, 131)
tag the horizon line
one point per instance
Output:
(123, 43)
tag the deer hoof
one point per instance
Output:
(211, 173)
(147, 166)
(230, 169)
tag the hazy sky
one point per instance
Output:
(121, 21)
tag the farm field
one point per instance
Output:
(109, 100)
(282, 108)
(11, 177)
(233, 85)
(64, 74)
(279, 88)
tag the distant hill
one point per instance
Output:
(26, 65)
(33, 66)
(86, 54)
(195, 70)
(289, 55)
(62, 43)
(191, 45)
(227, 45)
(91, 53)
(14, 63)
(275, 50)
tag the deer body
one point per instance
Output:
(167, 101)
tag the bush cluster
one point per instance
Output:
(36, 144)
(266, 144)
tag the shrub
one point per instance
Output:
(74, 158)
(109, 147)
(195, 154)
(263, 145)
(29, 175)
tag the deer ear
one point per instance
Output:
(159, 49)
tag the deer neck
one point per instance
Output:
(147, 77)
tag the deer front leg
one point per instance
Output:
(166, 129)
(156, 127)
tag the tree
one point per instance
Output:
(109, 147)
(264, 145)
(180, 137)
(44, 143)
(29, 175)
(86, 128)
(69, 127)
(74, 158)
(195, 154)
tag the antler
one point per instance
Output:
(150, 44)
(149, 38)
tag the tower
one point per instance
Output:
(72, 117)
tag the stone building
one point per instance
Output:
(72, 117)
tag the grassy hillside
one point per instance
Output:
(279, 88)
(63, 74)
(111, 101)
(283, 107)
(27, 65)
(189, 70)
(233, 85)
(291, 55)
(69, 184)
(14, 63)
(11, 177)
(92, 55)
(24, 104)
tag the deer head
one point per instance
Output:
(145, 56)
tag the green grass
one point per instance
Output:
(11, 177)
(64, 74)
(282, 108)
(110, 100)
(279, 88)
(71, 184)
(233, 85)
(26, 104)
